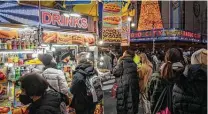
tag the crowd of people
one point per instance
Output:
(171, 82)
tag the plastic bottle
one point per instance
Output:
(17, 73)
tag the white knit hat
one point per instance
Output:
(199, 57)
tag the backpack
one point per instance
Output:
(94, 88)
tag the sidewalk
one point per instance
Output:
(110, 104)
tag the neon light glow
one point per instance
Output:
(150, 16)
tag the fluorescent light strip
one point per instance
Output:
(16, 52)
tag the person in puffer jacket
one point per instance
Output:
(190, 92)
(128, 87)
(170, 71)
(54, 77)
(82, 102)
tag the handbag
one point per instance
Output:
(114, 90)
(165, 99)
(146, 104)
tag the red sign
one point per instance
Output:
(51, 18)
(164, 33)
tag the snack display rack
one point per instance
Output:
(18, 50)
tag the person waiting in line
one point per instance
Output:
(190, 92)
(82, 102)
(137, 59)
(128, 88)
(55, 77)
(34, 92)
(159, 82)
(145, 73)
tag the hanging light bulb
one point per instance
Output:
(132, 24)
(129, 19)
(101, 42)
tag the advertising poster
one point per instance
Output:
(68, 38)
(125, 34)
(112, 22)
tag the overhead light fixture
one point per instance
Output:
(101, 58)
(66, 15)
(129, 19)
(132, 24)
(53, 49)
(101, 42)
(34, 55)
(75, 15)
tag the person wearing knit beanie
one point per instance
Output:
(54, 77)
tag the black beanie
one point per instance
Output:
(46, 59)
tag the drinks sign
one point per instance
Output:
(57, 19)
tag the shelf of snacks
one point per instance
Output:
(18, 46)
(13, 64)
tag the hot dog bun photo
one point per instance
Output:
(113, 20)
(111, 7)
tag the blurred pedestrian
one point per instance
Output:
(145, 73)
(190, 92)
(34, 92)
(137, 59)
(128, 88)
(82, 102)
(55, 77)
(160, 86)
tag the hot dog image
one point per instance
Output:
(50, 37)
(110, 7)
(78, 39)
(114, 20)
(64, 38)
(10, 34)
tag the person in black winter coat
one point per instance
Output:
(34, 92)
(190, 93)
(169, 72)
(128, 87)
(82, 102)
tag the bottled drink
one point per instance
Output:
(17, 73)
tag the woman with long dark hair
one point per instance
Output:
(42, 101)
(161, 83)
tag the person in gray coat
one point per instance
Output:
(55, 77)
